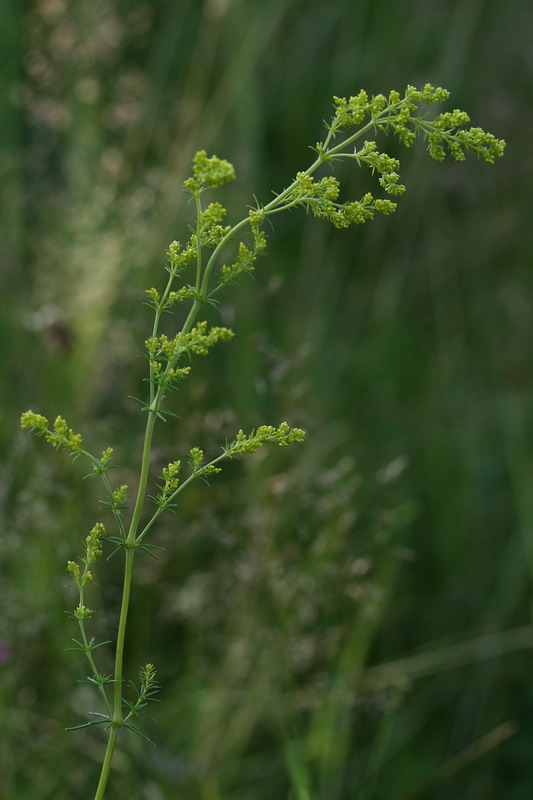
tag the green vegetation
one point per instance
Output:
(323, 619)
(397, 114)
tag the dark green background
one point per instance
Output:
(402, 531)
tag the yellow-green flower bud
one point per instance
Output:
(33, 421)
(74, 569)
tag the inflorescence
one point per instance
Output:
(354, 118)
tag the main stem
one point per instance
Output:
(131, 545)
(117, 719)
(106, 766)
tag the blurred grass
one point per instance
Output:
(402, 529)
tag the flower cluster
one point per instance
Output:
(196, 457)
(35, 422)
(386, 166)
(476, 140)
(81, 612)
(59, 436)
(315, 194)
(359, 211)
(148, 687)
(93, 551)
(164, 353)
(208, 173)
(393, 114)
(180, 257)
(171, 478)
(392, 111)
(320, 196)
(94, 543)
(159, 303)
(283, 435)
(211, 231)
(402, 116)
(243, 264)
(169, 376)
(246, 256)
(102, 465)
(352, 112)
(118, 499)
(198, 341)
(106, 457)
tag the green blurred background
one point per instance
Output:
(350, 619)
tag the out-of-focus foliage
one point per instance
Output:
(402, 529)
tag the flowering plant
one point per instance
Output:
(214, 257)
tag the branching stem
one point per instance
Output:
(445, 134)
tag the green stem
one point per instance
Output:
(106, 766)
(121, 635)
(156, 327)
(86, 646)
(92, 664)
(143, 480)
(198, 244)
(357, 135)
(187, 325)
(117, 720)
(116, 511)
